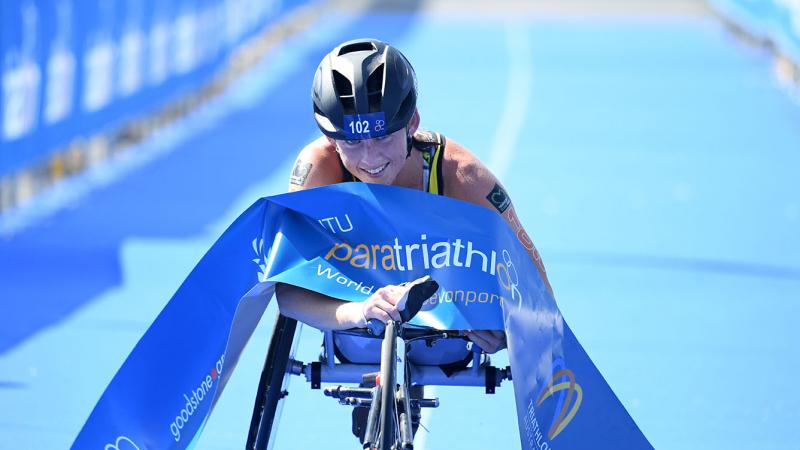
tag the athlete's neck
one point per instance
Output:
(410, 175)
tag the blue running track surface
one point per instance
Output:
(653, 160)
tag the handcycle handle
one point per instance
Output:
(421, 290)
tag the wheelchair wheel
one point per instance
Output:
(271, 384)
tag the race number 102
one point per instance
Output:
(359, 127)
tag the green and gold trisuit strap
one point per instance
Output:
(432, 145)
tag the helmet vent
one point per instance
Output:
(343, 85)
(405, 107)
(345, 90)
(357, 47)
(375, 89)
(348, 105)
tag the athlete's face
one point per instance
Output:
(377, 160)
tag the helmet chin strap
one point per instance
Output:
(409, 144)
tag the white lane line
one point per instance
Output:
(512, 120)
(518, 92)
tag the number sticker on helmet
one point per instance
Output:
(365, 126)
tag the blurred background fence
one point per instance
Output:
(775, 23)
(78, 74)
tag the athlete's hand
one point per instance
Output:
(489, 340)
(383, 304)
(387, 302)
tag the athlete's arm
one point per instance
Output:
(318, 165)
(327, 313)
(467, 179)
(315, 166)
(470, 180)
(317, 310)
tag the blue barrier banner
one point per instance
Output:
(346, 241)
(72, 68)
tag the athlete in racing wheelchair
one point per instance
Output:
(388, 401)
(364, 99)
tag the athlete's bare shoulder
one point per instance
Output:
(466, 177)
(317, 164)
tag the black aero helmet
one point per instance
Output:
(362, 89)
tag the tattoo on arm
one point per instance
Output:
(522, 235)
(526, 241)
(499, 198)
(300, 173)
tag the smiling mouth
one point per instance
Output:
(377, 170)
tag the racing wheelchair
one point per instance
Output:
(390, 391)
